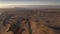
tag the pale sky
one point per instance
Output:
(7, 3)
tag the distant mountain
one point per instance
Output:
(37, 6)
(29, 7)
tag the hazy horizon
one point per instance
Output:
(6, 3)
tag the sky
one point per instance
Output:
(7, 3)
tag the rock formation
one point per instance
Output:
(25, 21)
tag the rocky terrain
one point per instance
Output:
(28, 21)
